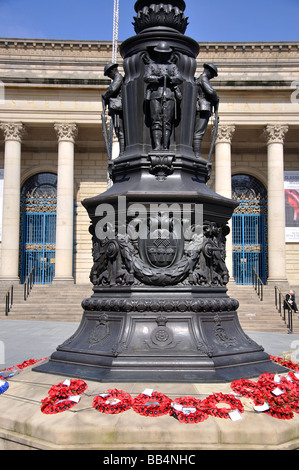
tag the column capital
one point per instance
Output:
(66, 131)
(225, 133)
(13, 130)
(275, 134)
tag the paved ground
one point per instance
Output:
(22, 339)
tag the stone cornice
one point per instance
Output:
(20, 43)
(57, 44)
(250, 46)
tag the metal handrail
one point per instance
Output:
(8, 298)
(258, 285)
(28, 284)
(279, 300)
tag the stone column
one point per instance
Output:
(66, 134)
(275, 135)
(13, 133)
(223, 179)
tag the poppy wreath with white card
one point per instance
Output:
(152, 404)
(113, 401)
(188, 410)
(268, 382)
(63, 396)
(286, 388)
(210, 404)
(52, 406)
(67, 388)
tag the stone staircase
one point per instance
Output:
(48, 303)
(257, 315)
(18, 295)
(63, 303)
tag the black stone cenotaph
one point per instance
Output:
(159, 311)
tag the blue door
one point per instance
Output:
(249, 247)
(38, 228)
(249, 229)
(38, 250)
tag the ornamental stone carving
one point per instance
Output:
(156, 305)
(167, 259)
(13, 130)
(275, 134)
(66, 132)
(225, 134)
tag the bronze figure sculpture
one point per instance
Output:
(112, 98)
(207, 103)
(163, 94)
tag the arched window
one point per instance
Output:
(246, 187)
(41, 185)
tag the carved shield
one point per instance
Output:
(161, 248)
(161, 245)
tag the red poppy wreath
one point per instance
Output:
(285, 363)
(63, 396)
(246, 388)
(188, 410)
(210, 404)
(279, 408)
(113, 402)
(67, 388)
(156, 404)
(51, 406)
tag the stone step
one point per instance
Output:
(57, 303)
(257, 315)
(63, 303)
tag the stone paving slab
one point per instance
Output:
(24, 426)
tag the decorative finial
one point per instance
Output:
(155, 13)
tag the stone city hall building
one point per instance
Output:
(53, 155)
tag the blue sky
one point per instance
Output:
(209, 20)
